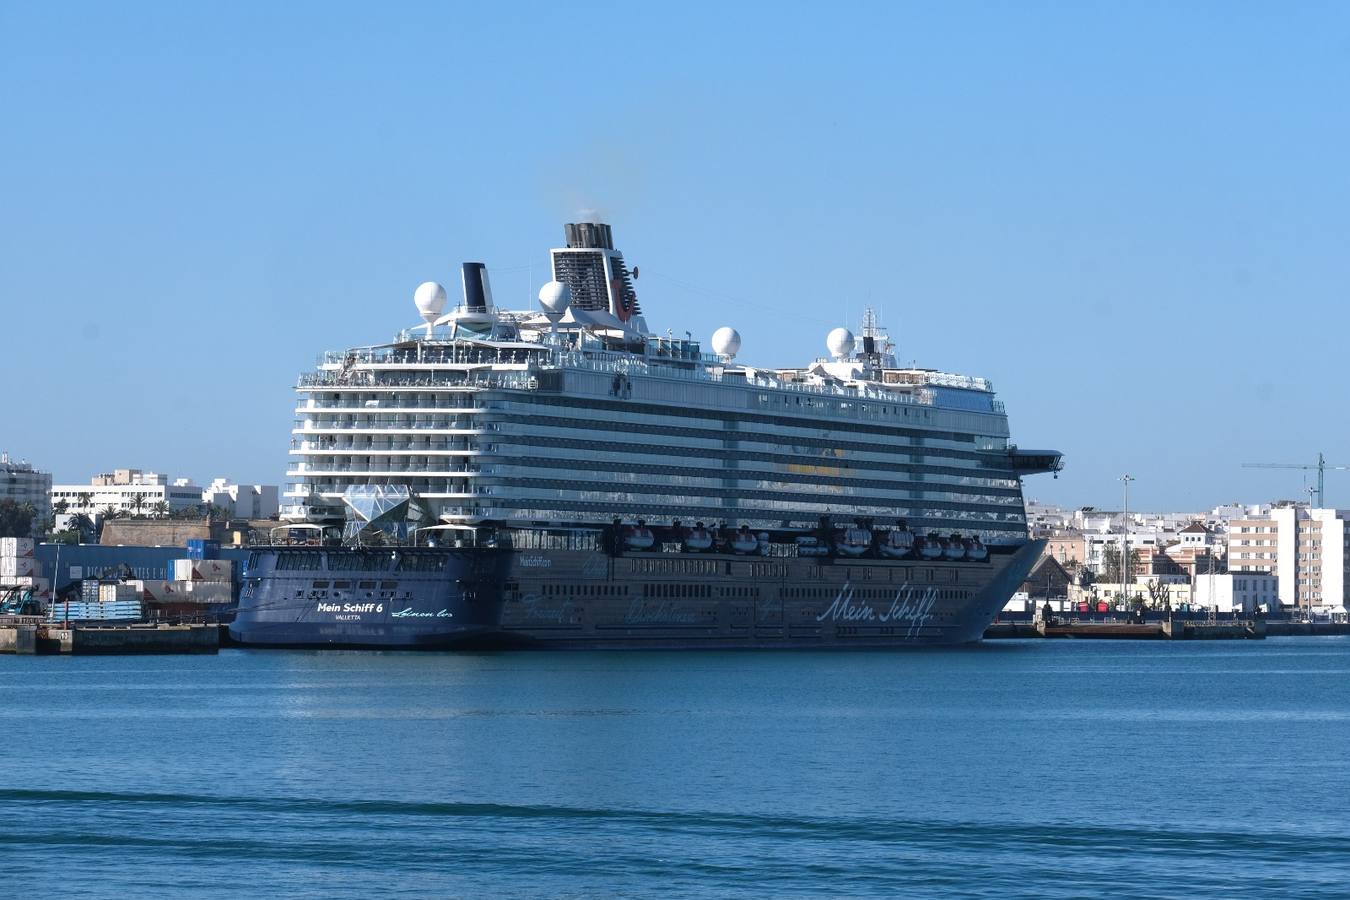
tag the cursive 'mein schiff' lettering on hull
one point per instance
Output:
(644, 612)
(910, 605)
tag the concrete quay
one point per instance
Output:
(1301, 629)
(1176, 630)
(37, 638)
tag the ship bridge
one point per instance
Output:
(1035, 462)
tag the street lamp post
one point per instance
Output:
(1125, 536)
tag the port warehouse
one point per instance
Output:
(69, 563)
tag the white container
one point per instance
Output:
(203, 570)
(161, 591)
(35, 582)
(16, 546)
(113, 593)
(208, 592)
(16, 566)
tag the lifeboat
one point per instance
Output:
(698, 539)
(956, 548)
(810, 546)
(855, 542)
(744, 542)
(976, 550)
(929, 547)
(898, 544)
(639, 537)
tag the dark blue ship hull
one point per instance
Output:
(446, 598)
(369, 598)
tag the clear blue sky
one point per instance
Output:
(1133, 218)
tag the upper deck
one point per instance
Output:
(485, 364)
(580, 413)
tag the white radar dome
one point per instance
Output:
(726, 341)
(430, 298)
(839, 342)
(555, 297)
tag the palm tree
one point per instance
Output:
(137, 504)
(60, 507)
(86, 501)
(160, 508)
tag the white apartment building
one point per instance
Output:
(1308, 550)
(127, 490)
(1253, 545)
(245, 501)
(1232, 592)
(1094, 545)
(22, 483)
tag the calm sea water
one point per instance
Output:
(1038, 768)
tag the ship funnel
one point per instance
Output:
(477, 292)
(594, 272)
(589, 235)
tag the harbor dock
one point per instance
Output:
(1173, 630)
(32, 635)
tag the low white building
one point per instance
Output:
(127, 490)
(1243, 592)
(21, 483)
(1196, 536)
(244, 501)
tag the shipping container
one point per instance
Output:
(198, 548)
(160, 591)
(203, 570)
(28, 581)
(114, 593)
(11, 566)
(207, 592)
(12, 547)
(66, 563)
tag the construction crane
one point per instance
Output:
(1321, 467)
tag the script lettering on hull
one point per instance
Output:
(538, 611)
(661, 612)
(910, 605)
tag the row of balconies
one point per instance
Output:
(385, 446)
(376, 405)
(362, 467)
(377, 425)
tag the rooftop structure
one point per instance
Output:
(126, 491)
(244, 501)
(21, 483)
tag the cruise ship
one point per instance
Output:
(567, 477)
